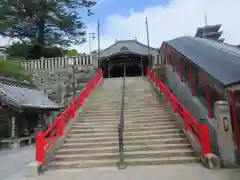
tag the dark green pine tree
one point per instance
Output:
(45, 22)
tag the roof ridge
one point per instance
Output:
(204, 41)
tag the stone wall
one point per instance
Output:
(60, 62)
(58, 82)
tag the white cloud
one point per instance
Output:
(178, 18)
(4, 41)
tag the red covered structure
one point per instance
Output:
(210, 71)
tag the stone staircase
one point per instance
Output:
(93, 139)
(151, 136)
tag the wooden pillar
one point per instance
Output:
(172, 59)
(180, 70)
(208, 98)
(191, 81)
(165, 54)
(124, 69)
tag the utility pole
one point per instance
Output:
(89, 41)
(74, 80)
(91, 37)
(149, 57)
(206, 23)
(98, 51)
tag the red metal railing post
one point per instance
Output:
(40, 147)
(174, 104)
(203, 133)
(73, 110)
(60, 127)
(205, 139)
(186, 121)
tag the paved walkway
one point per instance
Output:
(175, 172)
(14, 163)
(14, 166)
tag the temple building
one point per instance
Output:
(22, 109)
(127, 58)
(210, 32)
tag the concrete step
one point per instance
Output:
(135, 154)
(101, 114)
(100, 119)
(80, 138)
(111, 125)
(83, 164)
(109, 106)
(74, 133)
(139, 106)
(76, 138)
(116, 99)
(128, 121)
(127, 127)
(127, 142)
(128, 115)
(89, 130)
(127, 148)
(118, 109)
(148, 110)
(161, 161)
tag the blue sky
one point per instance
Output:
(106, 8)
(167, 19)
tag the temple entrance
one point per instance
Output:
(120, 65)
(134, 70)
(127, 70)
(117, 71)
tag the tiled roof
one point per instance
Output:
(219, 60)
(25, 97)
(127, 46)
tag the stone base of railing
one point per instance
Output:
(34, 169)
(16, 143)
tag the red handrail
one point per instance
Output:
(200, 131)
(45, 140)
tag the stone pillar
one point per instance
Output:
(15, 143)
(224, 131)
(42, 63)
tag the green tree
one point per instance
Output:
(18, 49)
(13, 70)
(27, 51)
(72, 52)
(45, 21)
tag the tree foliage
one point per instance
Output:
(13, 70)
(72, 52)
(28, 51)
(45, 21)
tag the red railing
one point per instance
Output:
(200, 131)
(45, 140)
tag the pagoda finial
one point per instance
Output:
(205, 18)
